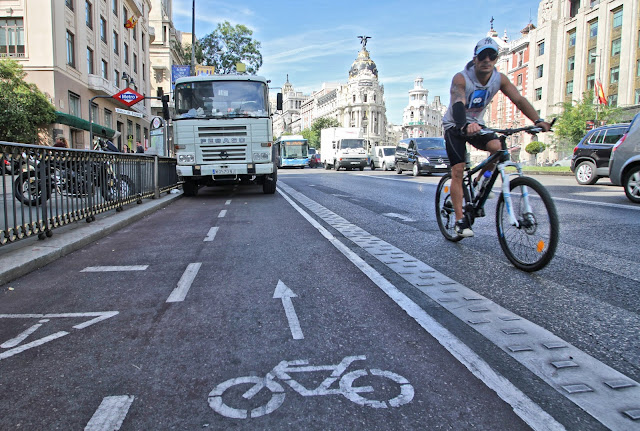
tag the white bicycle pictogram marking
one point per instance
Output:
(281, 372)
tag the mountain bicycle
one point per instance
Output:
(526, 218)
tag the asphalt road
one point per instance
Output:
(170, 322)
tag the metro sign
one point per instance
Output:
(128, 96)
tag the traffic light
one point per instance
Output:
(165, 107)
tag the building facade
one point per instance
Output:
(421, 119)
(78, 50)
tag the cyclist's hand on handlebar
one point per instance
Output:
(544, 126)
(472, 128)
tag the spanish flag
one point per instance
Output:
(131, 23)
(602, 99)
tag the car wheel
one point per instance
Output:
(416, 170)
(586, 173)
(632, 185)
(372, 166)
(398, 170)
(384, 166)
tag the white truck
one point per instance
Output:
(383, 157)
(223, 133)
(343, 147)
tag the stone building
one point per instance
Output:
(421, 119)
(74, 50)
(290, 119)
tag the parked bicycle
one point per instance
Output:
(526, 218)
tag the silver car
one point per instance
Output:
(624, 166)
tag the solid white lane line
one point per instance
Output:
(115, 268)
(522, 405)
(110, 414)
(180, 292)
(222, 213)
(212, 234)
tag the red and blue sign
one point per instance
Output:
(128, 96)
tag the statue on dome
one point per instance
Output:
(363, 41)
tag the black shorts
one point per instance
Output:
(456, 148)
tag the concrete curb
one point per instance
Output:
(34, 255)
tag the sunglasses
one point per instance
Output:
(487, 53)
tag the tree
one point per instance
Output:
(571, 124)
(313, 135)
(535, 147)
(228, 45)
(25, 111)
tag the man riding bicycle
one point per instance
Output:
(471, 93)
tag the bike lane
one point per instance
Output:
(275, 329)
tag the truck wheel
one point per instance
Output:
(326, 166)
(269, 185)
(190, 187)
(373, 166)
(336, 166)
(362, 168)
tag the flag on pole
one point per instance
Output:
(131, 23)
(602, 99)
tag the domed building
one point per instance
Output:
(421, 119)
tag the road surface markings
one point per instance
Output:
(398, 216)
(110, 413)
(606, 394)
(228, 202)
(212, 234)
(115, 268)
(14, 343)
(222, 213)
(180, 292)
(284, 293)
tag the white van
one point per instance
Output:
(383, 157)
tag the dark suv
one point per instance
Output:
(624, 169)
(591, 156)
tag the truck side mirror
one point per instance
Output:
(334, 146)
(279, 102)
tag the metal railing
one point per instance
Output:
(44, 188)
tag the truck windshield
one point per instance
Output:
(207, 99)
(352, 143)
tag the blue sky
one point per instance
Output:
(316, 42)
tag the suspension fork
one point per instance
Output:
(506, 192)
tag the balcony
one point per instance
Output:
(101, 86)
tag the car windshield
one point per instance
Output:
(430, 143)
(206, 99)
(389, 151)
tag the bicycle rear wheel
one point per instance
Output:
(444, 210)
(532, 244)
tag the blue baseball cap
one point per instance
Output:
(486, 43)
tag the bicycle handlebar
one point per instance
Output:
(507, 132)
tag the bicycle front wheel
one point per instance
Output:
(445, 214)
(530, 246)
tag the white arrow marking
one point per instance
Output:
(284, 293)
(212, 234)
(398, 216)
(110, 413)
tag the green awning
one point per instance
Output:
(79, 123)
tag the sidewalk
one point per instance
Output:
(30, 254)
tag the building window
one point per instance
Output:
(541, 48)
(95, 113)
(69, 4)
(591, 79)
(538, 95)
(593, 28)
(572, 38)
(124, 15)
(615, 75)
(615, 47)
(520, 56)
(613, 100)
(104, 71)
(365, 98)
(90, 61)
(617, 18)
(539, 71)
(89, 14)
(74, 104)
(126, 53)
(591, 56)
(108, 118)
(138, 133)
(574, 5)
(571, 63)
(569, 88)
(71, 55)
(638, 68)
(11, 37)
(143, 39)
(134, 30)
(637, 98)
(142, 72)
(135, 63)
(115, 42)
(103, 29)
(114, 7)
(116, 78)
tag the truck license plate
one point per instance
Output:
(222, 172)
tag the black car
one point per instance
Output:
(422, 156)
(591, 156)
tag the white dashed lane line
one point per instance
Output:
(110, 414)
(606, 394)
